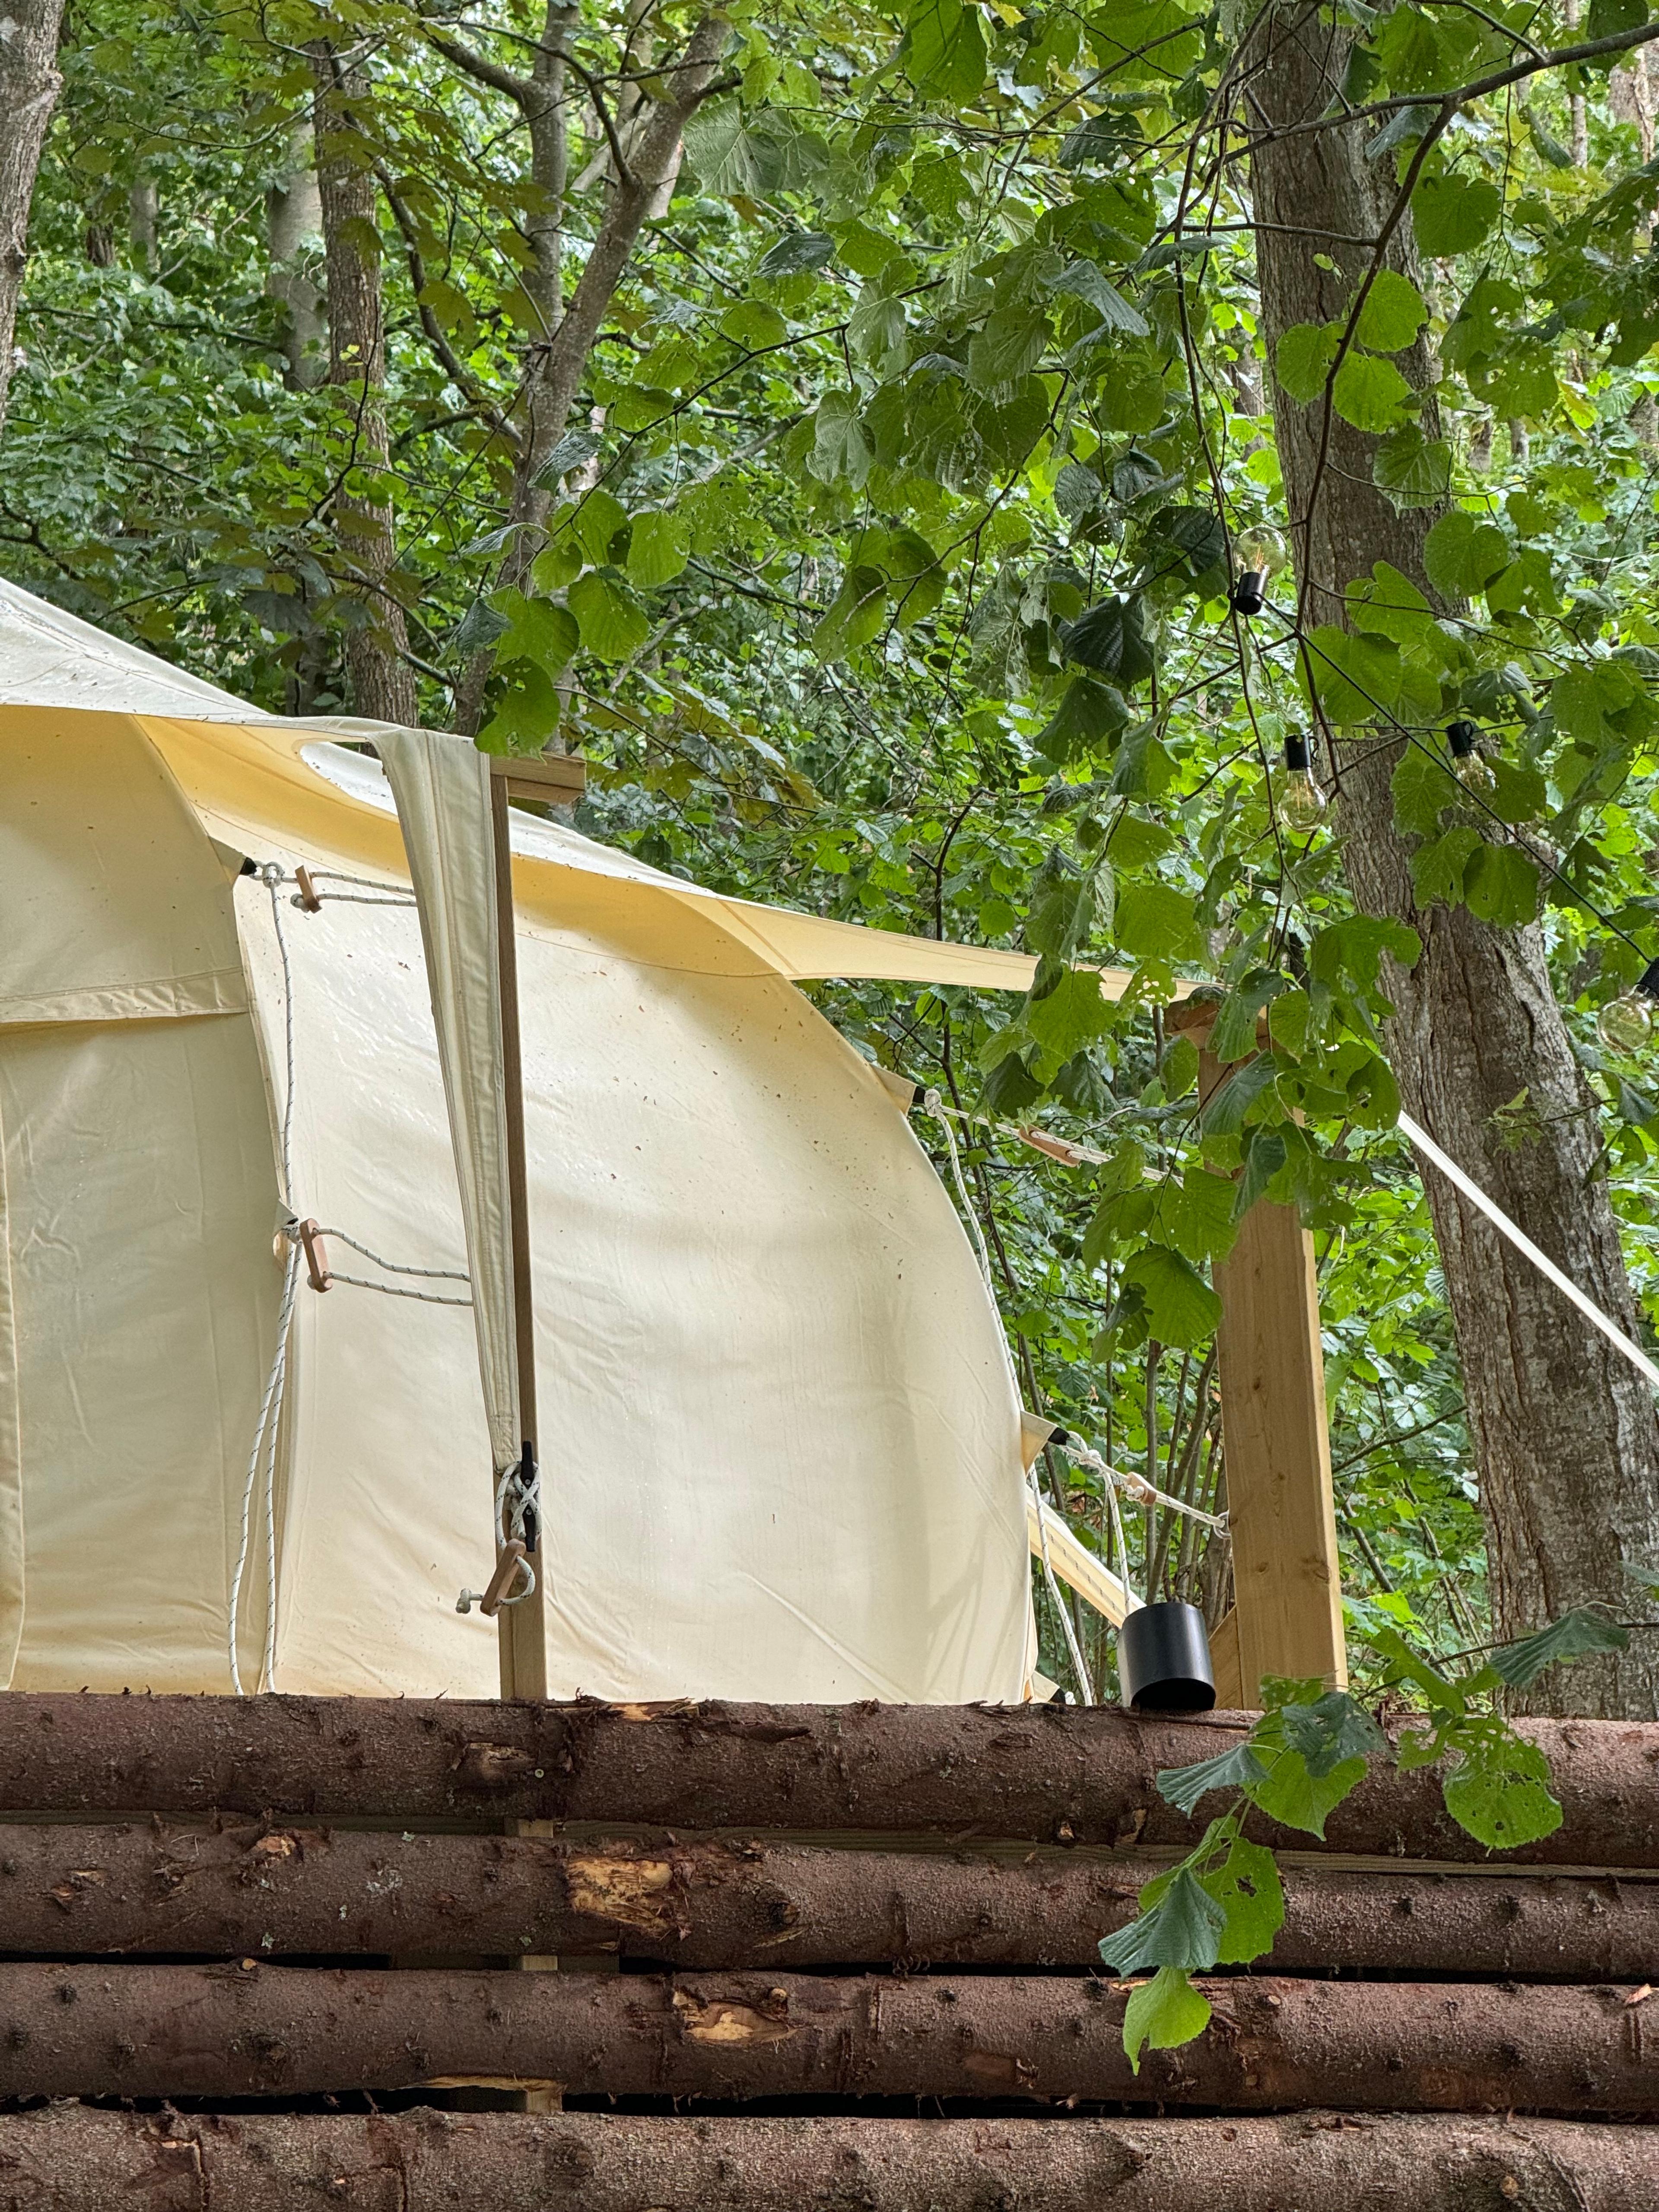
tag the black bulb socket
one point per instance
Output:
(1648, 982)
(1462, 738)
(1249, 593)
(1298, 750)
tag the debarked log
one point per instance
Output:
(246, 2030)
(227, 1891)
(1048, 1774)
(67, 2159)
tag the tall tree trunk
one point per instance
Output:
(29, 86)
(653, 160)
(294, 214)
(1566, 1433)
(377, 645)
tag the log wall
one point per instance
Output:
(258, 1909)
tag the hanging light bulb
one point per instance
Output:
(1258, 556)
(1302, 803)
(1626, 1023)
(1469, 765)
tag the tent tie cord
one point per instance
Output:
(309, 1234)
(309, 899)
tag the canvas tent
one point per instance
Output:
(781, 1445)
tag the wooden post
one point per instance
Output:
(522, 1627)
(1276, 1446)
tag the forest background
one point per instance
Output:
(839, 426)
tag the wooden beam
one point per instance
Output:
(1287, 1581)
(521, 1627)
(552, 779)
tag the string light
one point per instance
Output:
(1469, 765)
(1258, 556)
(1626, 1023)
(1302, 803)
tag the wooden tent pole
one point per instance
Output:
(1287, 1588)
(522, 1626)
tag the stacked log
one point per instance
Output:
(812, 1911)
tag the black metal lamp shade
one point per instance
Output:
(1163, 1660)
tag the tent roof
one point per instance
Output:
(250, 774)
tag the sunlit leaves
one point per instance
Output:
(1182, 1308)
(944, 50)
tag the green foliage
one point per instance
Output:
(885, 575)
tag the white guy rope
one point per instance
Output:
(397, 1266)
(1137, 1487)
(1524, 1244)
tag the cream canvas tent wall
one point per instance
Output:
(780, 1443)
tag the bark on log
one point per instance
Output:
(1478, 1023)
(246, 2030)
(84, 1891)
(1085, 1776)
(70, 2160)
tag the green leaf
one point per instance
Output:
(1071, 1016)
(1500, 885)
(1099, 292)
(1183, 1786)
(1266, 1155)
(1393, 315)
(1424, 787)
(1009, 347)
(1302, 358)
(719, 150)
(795, 253)
(1438, 867)
(1298, 1799)
(1499, 1791)
(1248, 1889)
(1090, 712)
(1463, 555)
(1333, 1729)
(1234, 1034)
(569, 452)
(857, 612)
(840, 447)
(1154, 920)
(1182, 1308)
(526, 714)
(1581, 1631)
(1196, 1215)
(538, 630)
(1224, 1112)
(656, 550)
(595, 521)
(1453, 214)
(1368, 392)
(1356, 948)
(1356, 676)
(1518, 795)
(1110, 637)
(1412, 470)
(478, 628)
(1163, 2013)
(943, 51)
(1184, 1929)
(613, 628)
(752, 324)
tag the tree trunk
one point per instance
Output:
(29, 86)
(377, 642)
(1083, 1775)
(221, 1893)
(71, 2159)
(294, 215)
(252, 2031)
(1566, 1433)
(560, 362)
